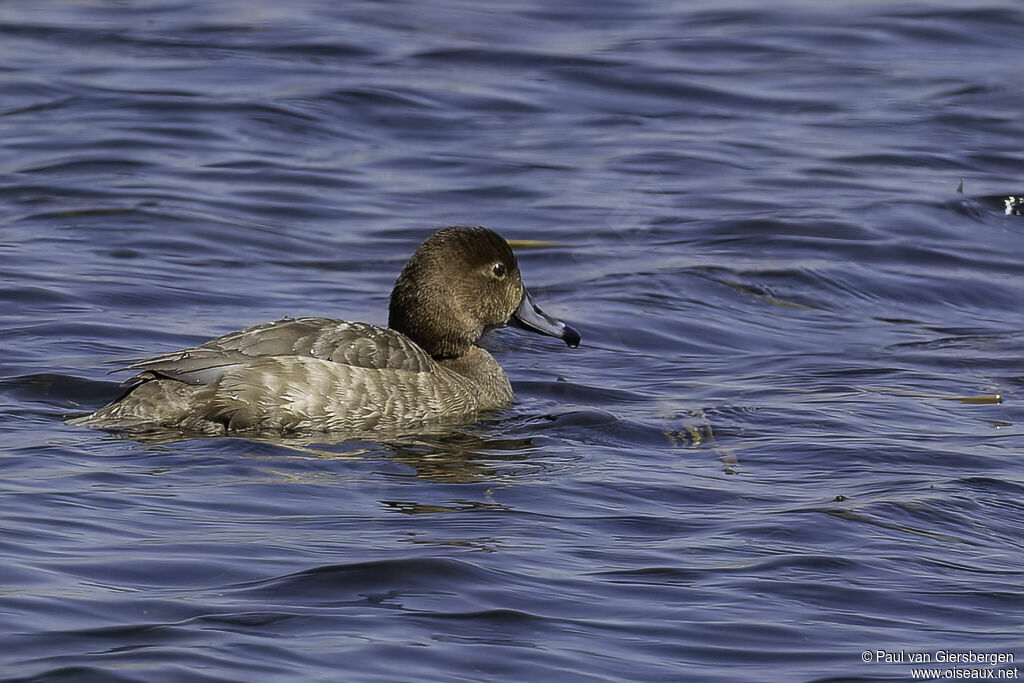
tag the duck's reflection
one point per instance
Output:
(448, 454)
(460, 456)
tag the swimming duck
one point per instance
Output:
(301, 375)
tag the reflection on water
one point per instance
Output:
(452, 454)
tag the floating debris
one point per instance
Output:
(978, 399)
(532, 244)
(685, 428)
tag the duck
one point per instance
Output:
(313, 374)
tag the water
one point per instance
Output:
(777, 447)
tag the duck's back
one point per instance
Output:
(304, 374)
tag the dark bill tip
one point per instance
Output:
(571, 337)
(529, 316)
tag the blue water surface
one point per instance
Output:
(793, 432)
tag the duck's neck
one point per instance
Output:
(434, 338)
(484, 372)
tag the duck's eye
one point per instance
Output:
(498, 270)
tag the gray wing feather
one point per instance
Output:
(355, 344)
(193, 366)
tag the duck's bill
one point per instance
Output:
(529, 317)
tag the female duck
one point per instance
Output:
(320, 375)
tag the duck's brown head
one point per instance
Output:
(461, 282)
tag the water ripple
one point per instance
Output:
(792, 433)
